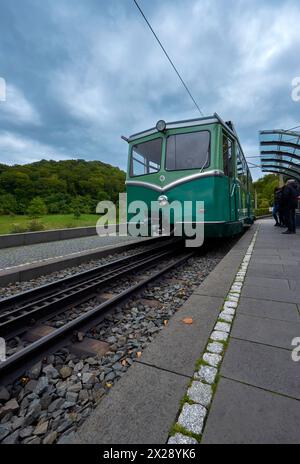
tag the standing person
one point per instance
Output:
(276, 205)
(280, 207)
(289, 201)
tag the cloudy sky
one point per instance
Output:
(80, 73)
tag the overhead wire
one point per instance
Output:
(168, 57)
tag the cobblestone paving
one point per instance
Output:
(193, 414)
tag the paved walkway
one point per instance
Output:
(258, 394)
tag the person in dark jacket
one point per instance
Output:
(289, 203)
(277, 207)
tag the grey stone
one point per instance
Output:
(200, 393)
(50, 438)
(26, 432)
(222, 327)
(92, 361)
(192, 417)
(51, 372)
(117, 366)
(11, 439)
(32, 441)
(226, 317)
(66, 439)
(65, 425)
(4, 394)
(33, 414)
(219, 336)
(46, 401)
(111, 376)
(88, 378)
(41, 428)
(4, 431)
(30, 386)
(41, 386)
(83, 395)
(10, 406)
(35, 371)
(212, 359)
(75, 388)
(18, 422)
(72, 397)
(215, 347)
(207, 374)
(68, 404)
(179, 439)
(56, 404)
(65, 372)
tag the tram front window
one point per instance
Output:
(188, 151)
(146, 158)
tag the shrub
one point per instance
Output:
(18, 229)
(8, 204)
(263, 203)
(35, 226)
(261, 212)
(37, 208)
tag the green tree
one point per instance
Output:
(8, 204)
(37, 208)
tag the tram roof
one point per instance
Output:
(280, 152)
(215, 118)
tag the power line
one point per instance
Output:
(168, 57)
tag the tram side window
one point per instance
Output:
(146, 158)
(242, 170)
(227, 156)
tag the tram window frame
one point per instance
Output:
(243, 175)
(228, 172)
(132, 159)
(208, 160)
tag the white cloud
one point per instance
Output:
(17, 109)
(25, 150)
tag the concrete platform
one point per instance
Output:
(258, 395)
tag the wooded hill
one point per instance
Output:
(61, 185)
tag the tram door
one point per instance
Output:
(228, 165)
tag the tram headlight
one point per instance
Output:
(163, 200)
(161, 125)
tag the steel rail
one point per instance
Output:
(75, 295)
(17, 362)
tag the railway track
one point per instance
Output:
(21, 312)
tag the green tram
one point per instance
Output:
(193, 160)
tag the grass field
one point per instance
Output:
(54, 221)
